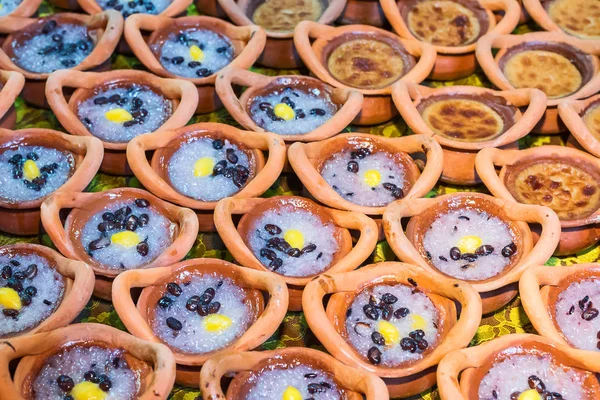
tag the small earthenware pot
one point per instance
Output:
(455, 62)
(152, 362)
(579, 116)
(307, 159)
(248, 42)
(524, 14)
(83, 206)
(347, 258)
(26, 8)
(181, 94)
(355, 382)
(279, 51)
(347, 101)
(104, 28)
(471, 129)
(472, 364)
(138, 318)
(176, 8)
(154, 174)
(495, 291)
(539, 174)
(545, 12)
(78, 281)
(417, 61)
(11, 84)
(23, 218)
(409, 378)
(363, 12)
(580, 53)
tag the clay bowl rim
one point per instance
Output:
(182, 95)
(304, 158)
(26, 9)
(265, 176)
(458, 336)
(184, 218)
(82, 174)
(488, 159)
(255, 83)
(571, 112)
(489, 63)
(78, 279)
(109, 23)
(516, 212)
(473, 357)
(176, 7)
(263, 327)
(254, 39)
(345, 220)
(306, 30)
(354, 379)
(13, 84)
(408, 96)
(43, 345)
(510, 20)
(538, 13)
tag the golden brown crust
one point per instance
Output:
(591, 119)
(579, 18)
(284, 15)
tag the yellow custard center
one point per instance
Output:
(291, 393)
(125, 239)
(118, 115)
(204, 166)
(284, 111)
(196, 53)
(469, 243)
(217, 323)
(88, 391)
(30, 170)
(9, 298)
(372, 177)
(294, 238)
(389, 332)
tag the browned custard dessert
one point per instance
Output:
(591, 119)
(284, 15)
(579, 18)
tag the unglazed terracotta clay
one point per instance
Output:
(455, 62)
(465, 136)
(182, 95)
(153, 362)
(579, 116)
(582, 16)
(497, 290)
(418, 60)
(11, 84)
(267, 315)
(364, 12)
(248, 43)
(408, 378)
(211, 8)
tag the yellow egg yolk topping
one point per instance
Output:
(88, 391)
(204, 166)
(284, 111)
(470, 243)
(291, 393)
(372, 177)
(217, 323)
(9, 298)
(389, 332)
(30, 170)
(196, 53)
(418, 322)
(118, 115)
(294, 238)
(125, 239)
(530, 394)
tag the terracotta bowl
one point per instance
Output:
(579, 118)
(105, 30)
(307, 160)
(182, 95)
(248, 42)
(583, 55)
(154, 174)
(11, 84)
(348, 257)
(468, 129)
(137, 317)
(355, 382)
(78, 280)
(279, 51)
(347, 101)
(579, 228)
(409, 378)
(212, 8)
(455, 62)
(153, 362)
(176, 8)
(473, 363)
(524, 14)
(418, 57)
(498, 290)
(363, 12)
(27, 8)
(539, 10)
(24, 218)
(84, 205)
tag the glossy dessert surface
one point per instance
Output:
(591, 119)
(284, 15)
(579, 18)
(128, 8)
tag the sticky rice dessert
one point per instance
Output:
(129, 7)
(579, 18)
(284, 15)
(8, 6)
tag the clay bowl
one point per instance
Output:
(84, 205)
(354, 382)
(212, 8)
(78, 280)
(495, 291)
(11, 84)
(544, 13)
(581, 54)
(363, 12)
(104, 28)
(347, 101)
(154, 174)
(473, 363)
(470, 130)
(23, 218)
(269, 310)
(248, 42)
(152, 362)
(347, 258)
(307, 159)
(409, 378)
(579, 118)
(279, 51)
(417, 60)
(182, 95)
(458, 60)
(524, 14)
(176, 8)
(578, 222)
(26, 9)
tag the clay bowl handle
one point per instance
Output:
(26, 8)
(13, 84)
(433, 167)
(186, 234)
(403, 95)
(85, 172)
(426, 55)
(569, 113)
(536, 102)
(512, 14)
(187, 93)
(448, 371)
(392, 13)
(133, 35)
(305, 31)
(112, 23)
(235, 12)
(485, 165)
(540, 16)
(485, 58)
(256, 39)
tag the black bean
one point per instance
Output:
(108, 216)
(310, 375)
(375, 301)
(143, 220)
(417, 334)
(509, 250)
(47, 302)
(213, 308)
(589, 314)
(389, 298)
(389, 186)
(386, 312)
(20, 275)
(571, 310)
(90, 376)
(276, 264)
(273, 229)
(374, 355)
(142, 248)
(464, 217)
(99, 244)
(466, 266)
(105, 384)
(140, 114)
(412, 282)
(264, 106)
(208, 296)
(352, 166)
(536, 383)
(83, 45)
(422, 344)
(115, 362)
(131, 223)
(314, 388)
(177, 60)
(371, 312)
(217, 144)
(165, 302)
(6, 272)
(401, 312)
(26, 299)
(289, 102)
(202, 310)
(49, 26)
(408, 344)
(9, 312)
(238, 179)
(268, 254)
(300, 114)
(397, 193)
(484, 250)
(443, 258)
(13, 283)
(318, 111)
(106, 226)
(174, 324)
(32, 156)
(174, 289)
(30, 291)
(192, 303)
(469, 257)
(455, 253)
(203, 72)
(583, 302)
(231, 156)
(309, 248)
(65, 383)
(293, 252)
(219, 167)
(360, 153)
